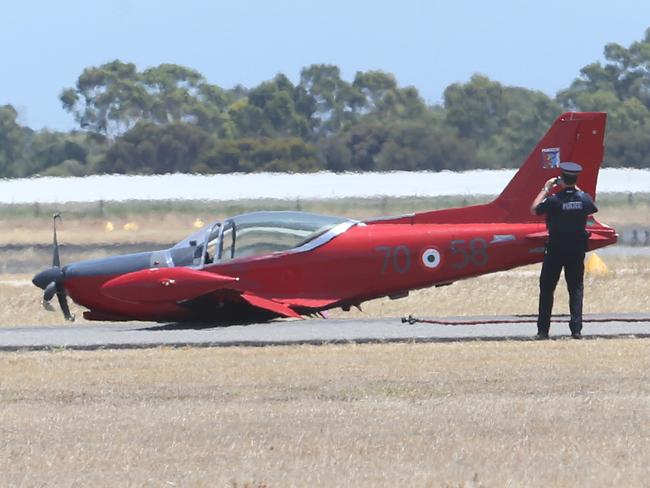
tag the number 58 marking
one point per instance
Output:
(475, 253)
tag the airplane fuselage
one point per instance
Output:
(368, 261)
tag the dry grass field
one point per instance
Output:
(164, 229)
(466, 414)
(169, 222)
(626, 288)
(560, 413)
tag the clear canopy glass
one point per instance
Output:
(267, 232)
(260, 233)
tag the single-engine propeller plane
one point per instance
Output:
(265, 265)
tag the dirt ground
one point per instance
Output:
(558, 413)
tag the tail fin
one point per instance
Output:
(574, 136)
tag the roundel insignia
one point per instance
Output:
(431, 258)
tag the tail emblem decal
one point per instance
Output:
(551, 158)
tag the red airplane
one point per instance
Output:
(264, 265)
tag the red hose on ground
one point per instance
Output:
(518, 319)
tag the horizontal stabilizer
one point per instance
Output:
(158, 285)
(599, 236)
(594, 236)
(537, 236)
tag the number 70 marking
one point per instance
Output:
(398, 258)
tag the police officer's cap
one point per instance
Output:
(570, 168)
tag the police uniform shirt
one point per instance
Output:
(566, 214)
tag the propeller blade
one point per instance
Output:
(56, 259)
(50, 291)
(51, 279)
(63, 303)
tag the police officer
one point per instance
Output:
(566, 218)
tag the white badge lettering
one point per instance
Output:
(572, 206)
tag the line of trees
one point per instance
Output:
(169, 118)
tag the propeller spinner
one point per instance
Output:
(51, 280)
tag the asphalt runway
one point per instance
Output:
(136, 335)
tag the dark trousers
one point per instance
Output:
(572, 259)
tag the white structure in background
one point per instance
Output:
(285, 186)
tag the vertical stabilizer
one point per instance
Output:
(574, 136)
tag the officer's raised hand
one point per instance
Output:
(550, 183)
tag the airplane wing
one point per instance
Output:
(159, 285)
(272, 305)
(308, 302)
(187, 286)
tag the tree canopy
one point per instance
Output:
(169, 118)
(620, 87)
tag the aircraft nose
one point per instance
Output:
(47, 276)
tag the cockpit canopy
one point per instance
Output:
(260, 233)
